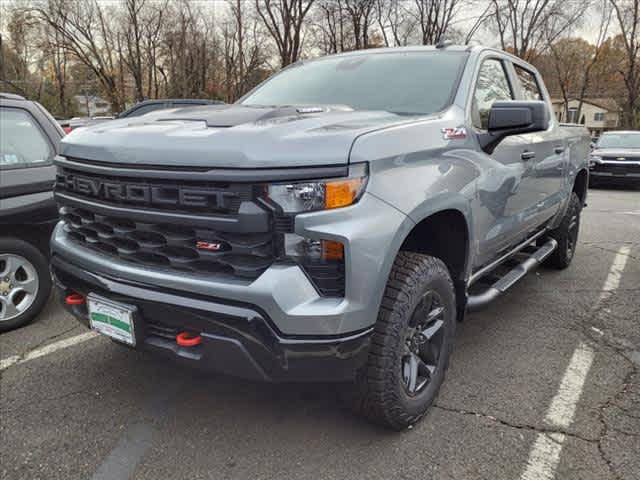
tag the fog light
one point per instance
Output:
(322, 260)
(302, 248)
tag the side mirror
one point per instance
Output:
(513, 118)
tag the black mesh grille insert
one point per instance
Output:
(245, 255)
(617, 168)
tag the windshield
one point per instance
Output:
(622, 140)
(414, 83)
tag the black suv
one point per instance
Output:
(147, 106)
(29, 139)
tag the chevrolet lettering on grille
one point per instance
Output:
(154, 195)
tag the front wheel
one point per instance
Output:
(411, 343)
(25, 283)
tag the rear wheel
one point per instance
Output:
(25, 283)
(566, 235)
(411, 343)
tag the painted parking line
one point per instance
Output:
(138, 438)
(46, 350)
(545, 454)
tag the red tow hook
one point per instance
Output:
(186, 339)
(74, 299)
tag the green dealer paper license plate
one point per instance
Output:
(111, 318)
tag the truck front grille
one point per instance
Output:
(617, 168)
(621, 159)
(244, 255)
(178, 220)
(187, 225)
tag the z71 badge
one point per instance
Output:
(454, 133)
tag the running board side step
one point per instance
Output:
(477, 302)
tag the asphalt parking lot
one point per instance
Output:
(84, 408)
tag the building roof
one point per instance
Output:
(606, 103)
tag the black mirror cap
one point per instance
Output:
(513, 117)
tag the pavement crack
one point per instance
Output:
(613, 401)
(19, 358)
(520, 426)
(617, 252)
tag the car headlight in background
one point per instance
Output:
(593, 159)
(313, 195)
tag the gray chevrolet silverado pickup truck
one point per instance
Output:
(333, 225)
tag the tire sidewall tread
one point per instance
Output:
(41, 265)
(559, 259)
(380, 395)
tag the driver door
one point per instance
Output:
(504, 192)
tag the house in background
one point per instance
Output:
(598, 114)
(92, 106)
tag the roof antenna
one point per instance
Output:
(443, 43)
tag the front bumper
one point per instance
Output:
(237, 339)
(620, 173)
(274, 327)
(371, 232)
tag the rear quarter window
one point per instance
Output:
(528, 84)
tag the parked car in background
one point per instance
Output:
(138, 109)
(76, 122)
(164, 104)
(615, 159)
(29, 139)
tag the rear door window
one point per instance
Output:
(492, 85)
(22, 141)
(530, 87)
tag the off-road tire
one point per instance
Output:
(41, 265)
(379, 393)
(566, 235)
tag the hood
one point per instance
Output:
(617, 152)
(229, 136)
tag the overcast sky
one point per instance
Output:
(588, 28)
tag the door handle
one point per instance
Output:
(558, 149)
(526, 155)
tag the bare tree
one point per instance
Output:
(435, 18)
(360, 15)
(85, 31)
(243, 58)
(152, 34)
(526, 27)
(395, 22)
(16, 54)
(628, 15)
(603, 30)
(133, 33)
(332, 26)
(283, 20)
(58, 58)
(480, 20)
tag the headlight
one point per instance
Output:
(309, 196)
(593, 159)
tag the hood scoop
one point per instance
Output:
(221, 116)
